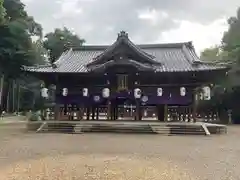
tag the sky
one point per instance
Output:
(146, 21)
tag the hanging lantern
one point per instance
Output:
(137, 93)
(182, 91)
(159, 91)
(206, 93)
(65, 92)
(106, 92)
(44, 92)
(85, 92)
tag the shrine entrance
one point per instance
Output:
(126, 108)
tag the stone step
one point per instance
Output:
(129, 127)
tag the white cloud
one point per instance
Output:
(153, 21)
(69, 8)
(203, 36)
(153, 16)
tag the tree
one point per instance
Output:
(60, 40)
(210, 54)
(214, 54)
(2, 12)
(16, 47)
(39, 52)
(228, 50)
(231, 38)
(15, 10)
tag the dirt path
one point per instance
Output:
(214, 157)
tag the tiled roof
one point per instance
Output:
(177, 57)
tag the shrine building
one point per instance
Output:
(127, 81)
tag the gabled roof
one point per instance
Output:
(172, 57)
(122, 40)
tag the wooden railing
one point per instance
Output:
(179, 114)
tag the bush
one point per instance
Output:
(35, 116)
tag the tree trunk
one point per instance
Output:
(13, 95)
(18, 97)
(1, 88)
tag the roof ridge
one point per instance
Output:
(144, 46)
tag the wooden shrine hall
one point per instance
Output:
(125, 81)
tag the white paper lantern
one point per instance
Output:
(182, 91)
(85, 92)
(106, 92)
(206, 93)
(65, 92)
(44, 92)
(137, 93)
(159, 91)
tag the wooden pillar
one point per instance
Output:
(65, 109)
(137, 110)
(56, 112)
(69, 111)
(93, 112)
(97, 113)
(157, 112)
(116, 112)
(88, 113)
(112, 110)
(109, 110)
(140, 112)
(165, 112)
(79, 112)
(195, 104)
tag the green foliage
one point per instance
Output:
(2, 12)
(214, 54)
(60, 40)
(228, 51)
(16, 47)
(39, 52)
(231, 38)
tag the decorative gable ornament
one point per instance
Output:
(206, 93)
(159, 91)
(106, 92)
(182, 91)
(137, 93)
(85, 92)
(96, 98)
(144, 99)
(65, 92)
(44, 93)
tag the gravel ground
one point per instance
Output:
(118, 156)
